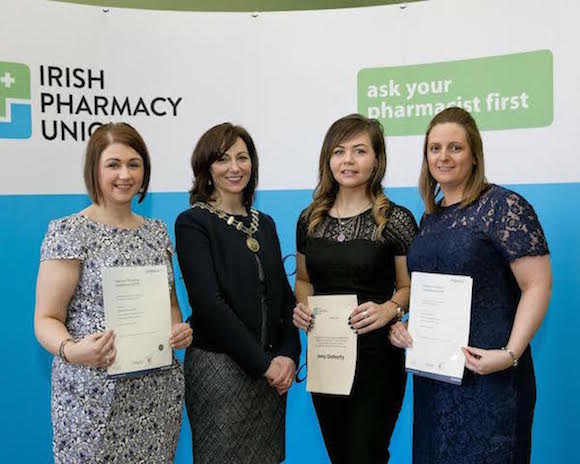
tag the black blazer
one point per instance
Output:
(222, 281)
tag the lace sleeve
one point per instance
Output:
(63, 240)
(301, 234)
(516, 230)
(400, 230)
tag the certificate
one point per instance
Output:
(138, 309)
(439, 316)
(331, 355)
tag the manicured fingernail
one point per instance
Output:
(349, 323)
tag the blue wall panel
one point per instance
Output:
(25, 389)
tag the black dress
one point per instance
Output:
(487, 419)
(241, 318)
(357, 428)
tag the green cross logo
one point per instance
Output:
(15, 107)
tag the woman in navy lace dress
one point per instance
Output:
(493, 235)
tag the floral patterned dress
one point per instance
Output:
(95, 419)
(487, 419)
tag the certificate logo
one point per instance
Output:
(15, 105)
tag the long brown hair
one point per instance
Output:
(325, 193)
(212, 144)
(477, 182)
(105, 135)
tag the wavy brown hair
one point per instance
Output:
(213, 144)
(325, 193)
(105, 135)
(477, 182)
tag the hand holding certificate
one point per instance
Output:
(331, 345)
(138, 309)
(439, 318)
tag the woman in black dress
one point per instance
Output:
(353, 240)
(493, 235)
(245, 348)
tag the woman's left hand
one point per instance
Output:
(370, 316)
(181, 335)
(485, 362)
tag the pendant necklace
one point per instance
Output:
(252, 244)
(341, 233)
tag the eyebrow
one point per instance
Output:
(113, 158)
(243, 152)
(354, 146)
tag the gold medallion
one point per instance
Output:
(252, 244)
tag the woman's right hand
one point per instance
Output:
(399, 337)
(302, 317)
(94, 350)
(273, 372)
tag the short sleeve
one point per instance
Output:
(400, 230)
(516, 230)
(63, 240)
(167, 244)
(301, 234)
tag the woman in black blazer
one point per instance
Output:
(245, 349)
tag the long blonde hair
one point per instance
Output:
(477, 182)
(325, 193)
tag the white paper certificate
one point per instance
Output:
(439, 316)
(138, 309)
(331, 355)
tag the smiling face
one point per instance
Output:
(120, 174)
(353, 161)
(449, 157)
(231, 172)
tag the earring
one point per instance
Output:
(209, 182)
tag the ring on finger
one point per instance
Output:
(365, 313)
(107, 359)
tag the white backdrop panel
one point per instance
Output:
(285, 76)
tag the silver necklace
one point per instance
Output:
(341, 235)
(347, 222)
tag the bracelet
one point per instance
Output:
(61, 348)
(512, 355)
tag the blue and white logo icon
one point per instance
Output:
(15, 106)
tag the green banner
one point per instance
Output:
(502, 92)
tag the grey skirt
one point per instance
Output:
(234, 418)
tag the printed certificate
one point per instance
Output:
(138, 309)
(439, 317)
(331, 355)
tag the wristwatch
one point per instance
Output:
(400, 310)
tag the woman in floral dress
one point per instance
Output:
(96, 419)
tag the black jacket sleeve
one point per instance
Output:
(290, 346)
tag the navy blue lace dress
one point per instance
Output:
(487, 419)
